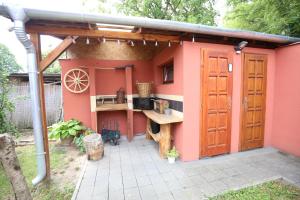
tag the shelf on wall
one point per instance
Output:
(111, 107)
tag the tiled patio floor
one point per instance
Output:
(135, 171)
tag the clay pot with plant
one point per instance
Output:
(172, 154)
(66, 131)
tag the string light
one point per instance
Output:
(132, 43)
(103, 40)
(87, 41)
(144, 42)
(181, 42)
(169, 44)
(118, 41)
(193, 40)
(156, 43)
(73, 40)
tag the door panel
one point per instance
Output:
(254, 93)
(216, 103)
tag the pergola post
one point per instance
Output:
(36, 40)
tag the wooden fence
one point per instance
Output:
(20, 95)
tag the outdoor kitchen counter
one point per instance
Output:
(164, 136)
(162, 118)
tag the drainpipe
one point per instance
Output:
(19, 17)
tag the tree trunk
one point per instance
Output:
(12, 169)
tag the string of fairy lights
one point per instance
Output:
(130, 42)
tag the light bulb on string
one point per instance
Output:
(73, 40)
(144, 42)
(169, 44)
(103, 40)
(87, 41)
(132, 43)
(181, 42)
(193, 39)
(118, 41)
(156, 43)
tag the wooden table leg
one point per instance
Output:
(148, 136)
(165, 139)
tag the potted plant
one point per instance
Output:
(65, 131)
(172, 155)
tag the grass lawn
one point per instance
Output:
(273, 190)
(48, 190)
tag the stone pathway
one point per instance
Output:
(133, 171)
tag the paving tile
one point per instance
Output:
(165, 196)
(100, 196)
(161, 187)
(132, 194)
(135, 171)
(180, 195)
(116, 195)
(129, 183)
(143, 181)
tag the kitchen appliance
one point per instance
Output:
(143, 103)
(160, 105)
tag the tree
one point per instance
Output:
(8, 62)
(8, 65)
(269, 16)
(193, 11)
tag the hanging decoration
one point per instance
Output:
(76, 80)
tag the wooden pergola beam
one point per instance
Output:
(65, 31)
(55, 53)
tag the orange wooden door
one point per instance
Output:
(216, 103)
(254, 93)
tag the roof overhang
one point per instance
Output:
(62, 24)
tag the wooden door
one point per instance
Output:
(253, 103)
(216, 103)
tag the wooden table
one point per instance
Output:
(164, 136)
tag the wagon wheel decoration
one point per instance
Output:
(76, 80)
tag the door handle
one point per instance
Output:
(246, 103)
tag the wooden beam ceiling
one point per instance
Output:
(55, 53)
(65, 31)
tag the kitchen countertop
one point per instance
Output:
(162, 118)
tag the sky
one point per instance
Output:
(47, 42)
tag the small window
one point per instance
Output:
(168, 72)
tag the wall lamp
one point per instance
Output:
(238, 48)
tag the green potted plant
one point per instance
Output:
(172, 155)
(66, 131)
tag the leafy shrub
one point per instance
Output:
(173, 153)
(66, 129)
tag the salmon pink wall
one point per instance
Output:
(176, 88)
(75, 106)
(176, 53)
(286, 129)
(107, 83)
(191, 92)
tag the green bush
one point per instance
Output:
(66, 129)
